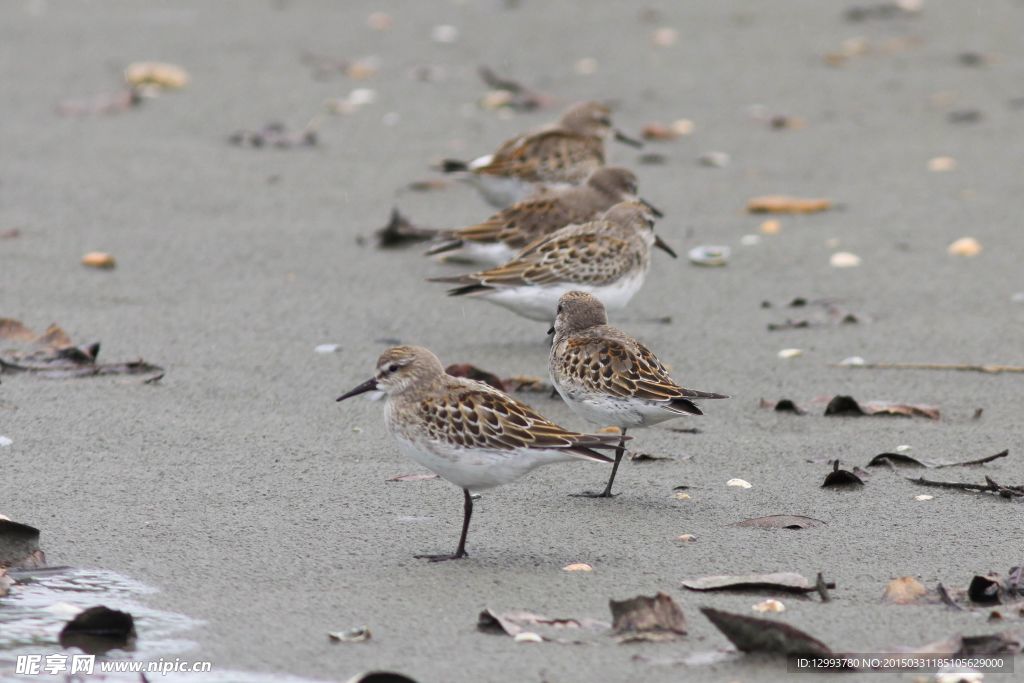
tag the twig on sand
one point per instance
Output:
(989, 486)
(988, 368)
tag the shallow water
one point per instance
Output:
(42, 600)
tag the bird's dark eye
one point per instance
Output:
(393, 367)
(559, 309)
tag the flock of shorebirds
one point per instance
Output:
(571, 240)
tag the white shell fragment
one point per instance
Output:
(327, 348)
(528, 637)
(352, 635)
(844, 259)
(923, 497)
(739, 483)
(965, 246)
(769, 606)
(852, 360)
(444, 33)
(790, 353)
(680, 495)
(709, 255)
(686, 538)
(577, 567)
(5, 441)
(903, 448)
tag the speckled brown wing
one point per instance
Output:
(524, 222)
(473, 415)
(551, 156)
(575, 254)
(625, 369)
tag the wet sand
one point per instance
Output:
(258, 505)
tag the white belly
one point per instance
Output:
(488, 253)
(538, 302)
(610, 411)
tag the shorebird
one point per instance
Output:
(504, 234)
(609, 257)
(468, 432)
(609, 378)
(563, 153)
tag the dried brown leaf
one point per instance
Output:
(753, 634)
(647, 618)
(789, 582)
(781, 522)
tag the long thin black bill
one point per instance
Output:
(368, 385)
(660, 244)
(626, 140)
(653, 209)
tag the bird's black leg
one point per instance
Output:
(460, 552)
(607, 493)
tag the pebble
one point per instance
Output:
(965, 246)
(99, 259)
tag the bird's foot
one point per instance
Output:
(441, 558)
(593, 494)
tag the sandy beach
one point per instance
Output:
(256, 504)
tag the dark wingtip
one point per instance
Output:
(443, 247)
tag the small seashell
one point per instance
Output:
(444, 33)
(682, 127)
(327, 348)
(686, 538)
(352, 635)
(903, 448)
(714, 159)
(750, 240)
(709, 255)
(577, 567)
(527, 637)
(5, 441)
(357, 430)
(852, 360)
(923, 496)
(965, 246)
(586, 66)
(99, 259)
(769, 606)
(361, 96)
(739, 483)
(609, 430)
(770, 227)
(665, 36)
(790, 353)
(379, 21)
(679, 495)
(941, 164)
(844, 259)
(157, 74)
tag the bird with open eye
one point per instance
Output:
(608, 257)
(468, 432)
(609, 378)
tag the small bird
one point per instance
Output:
(608, 377)
(609, 257)
(504, 234)
(563, 153)
(466, 431)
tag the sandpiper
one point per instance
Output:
(609, 257)
(504, 234)
(608, 377)
(467, 432)
(563, 153)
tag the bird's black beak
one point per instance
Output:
(551, 330)
(660, 244)
(626, 140)
(368, 385)
(652, 208)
